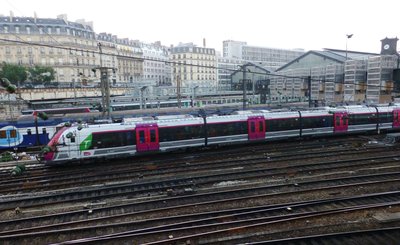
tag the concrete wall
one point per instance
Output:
(64, 93)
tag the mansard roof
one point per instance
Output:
(43, 22)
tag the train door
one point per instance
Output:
(396, 118)
(256, 128)
(147, 138)
(341, 122)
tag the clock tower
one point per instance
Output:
(389, 46)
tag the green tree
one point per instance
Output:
(42, 74)
(6, 84)
(15, 73)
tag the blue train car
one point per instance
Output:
(26, 132)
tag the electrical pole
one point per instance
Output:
(178, 89)
(309, 90)
(102, 87)
(244, 87)
(104, 84)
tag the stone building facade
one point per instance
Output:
(194, 66)
(69, 47)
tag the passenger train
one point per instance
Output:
(166, 133)
(30, 131)
(53, 111)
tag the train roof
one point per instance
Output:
(248, 112)
(132, 120)
(168, 117)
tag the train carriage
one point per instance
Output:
(166, 133)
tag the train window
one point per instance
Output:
(282, 124)
(29, 131)
(318, 122)
(386, 117)
(152, 135)
(13, 133)
(358, 119)
(113, 139)
(44, 130)
(261, 126)
(141, 137)
(181, 133)
(225, 129)
(3, 134)
(252, 127)
(337, 121)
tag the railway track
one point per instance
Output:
(161, 185)
(366, 237)
(320, 189)
(228, 218)
(70, 179)
(187, 204)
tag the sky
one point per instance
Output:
(286, 24)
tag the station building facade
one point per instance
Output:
(340, 76)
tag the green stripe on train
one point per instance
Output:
(86, 143)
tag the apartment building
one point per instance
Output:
(269, 58)
(130, 61)
(69, 47)
(156, 66)
(73, 49)
(193, 66)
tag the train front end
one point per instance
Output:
(49, 153)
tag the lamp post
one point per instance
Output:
(348, 37)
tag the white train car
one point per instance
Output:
(167, 133)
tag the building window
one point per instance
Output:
(28, 30)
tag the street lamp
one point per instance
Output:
(348, 37)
